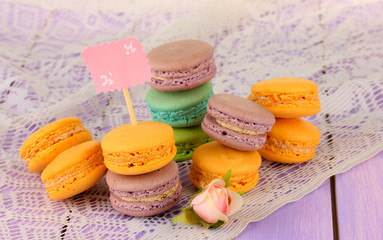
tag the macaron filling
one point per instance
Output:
(288, 147)
(145, 208)
(185, 80)
(223, 117)
(164, 75)
(51, 139)
(58, 181)
(210, 125)
(238, 129)
(192, 114)
(290, 99)
(159, 197)
(139, 158)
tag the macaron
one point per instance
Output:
(181, 65)
(291, 140)
(132, 150)
(213, 160)
(287, 97)
(237, 122)
(179, 109)
(48, 142)
(74, 170)
(146, 194)
(187, 140)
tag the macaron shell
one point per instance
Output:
(74, 170)
(142, 167)
(293, 112)
(179, 55)
(284, 85)
(146, 194)
(291, 141)
(238, 183)
(287, 97)
(213, 160)
(179, 109)
(43, 158)
(145, 209)
(283, 156)
(296, 130)
(47, 129)
(81, 184)
(49, 141)
(143, 136)
(173, 101)
(187, 140)
(133, 150)
(235, 109)
(215, 157)
(239, 141)
(142, 182)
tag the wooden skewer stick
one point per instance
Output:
(130, 106)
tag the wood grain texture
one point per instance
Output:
(307, 218)
(359, 194)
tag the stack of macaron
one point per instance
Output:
(180, 90)
(64, 152)
(292, 139)
(239, 127)
(142, 176)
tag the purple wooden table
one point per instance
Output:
(346, 206)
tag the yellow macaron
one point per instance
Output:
(291, 140)
(132, 150)
(213, 160)
(74, 170)
(287, 97)
(49, 141)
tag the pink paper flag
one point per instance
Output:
(117, 65)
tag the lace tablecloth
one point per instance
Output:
(338, 44)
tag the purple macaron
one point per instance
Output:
(146, 194)
(237, 122)
(181, 65)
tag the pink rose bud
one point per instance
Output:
(215, 202)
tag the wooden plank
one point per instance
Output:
(307, 218)
(359, 194)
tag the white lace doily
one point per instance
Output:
(337, 44)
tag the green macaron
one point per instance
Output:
(179, 109)
(187, 140)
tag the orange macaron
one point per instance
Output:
(213, 160)
(291, 140)
(132, 150)
(49, 141)
(74, 170)
(287, 97)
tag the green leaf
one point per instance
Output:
(241, 192)
(187, 216)
(190, 217)
(217, 224)
(199, 191)
(206, 224)
(226, 178)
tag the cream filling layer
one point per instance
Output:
(303, 150)
(238, 129)
(58, 139)
(67, 134)
(159, 78)
(167, 194)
